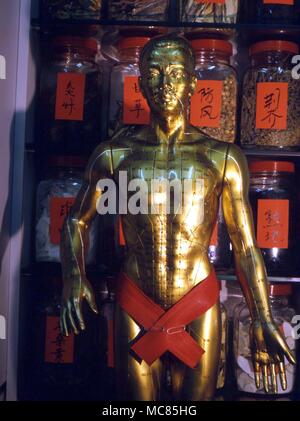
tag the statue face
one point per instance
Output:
(167, 79)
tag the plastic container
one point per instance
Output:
(211, 11)
(70, 9)
(283, 314)
(214, 104)
(270, 11)
(272, 196)
(70, 97)
(55, 197)
(62, 366)
(127, 104)
(271, 107)
(138, 10)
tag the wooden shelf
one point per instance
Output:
(275, 152)
(224, 277)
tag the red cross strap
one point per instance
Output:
(165, 330)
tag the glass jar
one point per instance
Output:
(62, 366)
(224, 349)
(271, 107)
(220, 248)
(156, 10)
(283, 315)
(70, 9)
(214, 103)
(270, 11)
(127, 104)
(55, 197)
(272, 196)
(209, 11)
(70, 97)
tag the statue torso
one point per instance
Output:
(167, 250)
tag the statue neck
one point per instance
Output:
(169, 130)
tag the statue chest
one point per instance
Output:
(173, 166)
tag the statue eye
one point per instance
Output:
(177, 73)
(153, 73)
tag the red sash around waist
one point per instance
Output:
(165, 330)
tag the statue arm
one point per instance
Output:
(75, 242)
(267, 343)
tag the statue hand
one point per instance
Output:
(71, 309)
(268, 351)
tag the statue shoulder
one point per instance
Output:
(236, 156)
(236, 163)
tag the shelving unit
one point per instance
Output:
(23, 138)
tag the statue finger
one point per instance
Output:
(71, 320)
(273, 378)
(265, 377)
(78, 311)
(285, 348)
(257, 374)
(63, 322)
(91, 301)
(282, 375)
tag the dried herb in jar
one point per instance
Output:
(271, 98)
(138, 9)
(262, 11)
(72, 9)
(209, 12)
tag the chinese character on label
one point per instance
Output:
(206, 104)
(59, 209)
(59, 349)
(211, 1)
(70, 96)
(136, 109)
(287, 2)
(272, 105)
(273, 223)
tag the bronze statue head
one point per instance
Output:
(167, 74)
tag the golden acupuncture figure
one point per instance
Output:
(167, 322)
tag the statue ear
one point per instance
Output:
(193, 85)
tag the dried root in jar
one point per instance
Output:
(252, 136)
(226, 131)
(193, 11)
(138, 9)
(76, 9)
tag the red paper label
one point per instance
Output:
(273, 223)
(211, 1)
(287, 2)
(214, 237)
(136, 109)
(59, 349)
(272, 105)
(206, 104)
(70, 96)
(59, 209)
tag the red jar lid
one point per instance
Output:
(70, 41)
(132, 42)
(212, 44)
(276, 45)
(280, 289)
(67, 161)
(271, 166)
